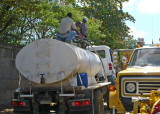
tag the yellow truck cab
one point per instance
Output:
(141, 76)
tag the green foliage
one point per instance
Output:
(113, 21)
(131, 43)
(22, 22)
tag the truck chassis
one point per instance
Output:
(42, 100)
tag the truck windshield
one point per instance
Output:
(146, 57)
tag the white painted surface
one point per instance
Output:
(56, 60)
(106, 60)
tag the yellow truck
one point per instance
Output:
(138, 80)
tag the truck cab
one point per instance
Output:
(141, 76)
(105, 54)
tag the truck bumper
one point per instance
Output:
(80, 108)
(115, 102)
(21, 109)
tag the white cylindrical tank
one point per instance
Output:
(55, 60)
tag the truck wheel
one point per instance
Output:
(111, 111)
(44, 109)
(21, 112)
(106, 98)
(68, 112)
(81, 112)
(16, 94)
(98, 102)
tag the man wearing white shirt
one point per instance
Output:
(66, 32)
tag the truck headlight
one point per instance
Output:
(130, 87)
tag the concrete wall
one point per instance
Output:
(9, 75)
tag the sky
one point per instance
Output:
(147, 15)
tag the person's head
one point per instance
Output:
(78, 24)
(84, 19)
(69, 15)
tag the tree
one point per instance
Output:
(14, 19)
(25, 21)
(113, 21)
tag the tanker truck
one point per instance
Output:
(55, 75)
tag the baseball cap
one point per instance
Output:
(85, 18)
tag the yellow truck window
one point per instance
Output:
(146, 57)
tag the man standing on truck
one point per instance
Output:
(76, 25)
(66, 32)
(83, 28)
(83, 31)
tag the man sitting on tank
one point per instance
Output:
(66, 31)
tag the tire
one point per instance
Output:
(111, 79)
(21, 112)
(16, 95)
(67, 112)
(80, 112)
(44, 109)
(106, 99)
(98, 102)
(111, 111)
